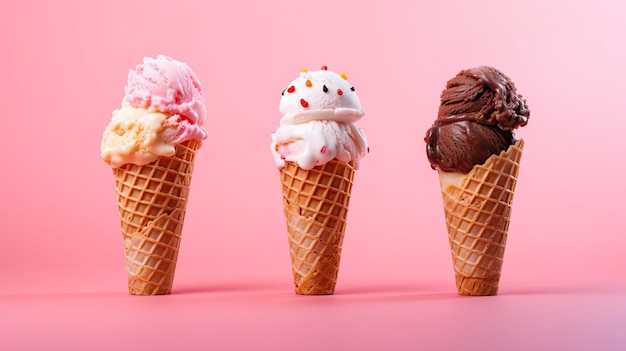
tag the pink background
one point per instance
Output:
(62, 277)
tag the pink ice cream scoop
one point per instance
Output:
(163, 107)
(171, 87)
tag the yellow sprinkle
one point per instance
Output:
(344, 76)
(303, 70)
(308, 83)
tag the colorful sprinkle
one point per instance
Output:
(325, 88)
(276, 147)
(323, 150)
(291, 89)
(352, 88)
(283, 92)
(426, 139)
(368, 149)
(303, 70)
(344, 76)
(339, 92)
(324, 68)
(304, 103)
(308, 83)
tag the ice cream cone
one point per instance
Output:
(316, 206)
(152, 200)
(477, 211)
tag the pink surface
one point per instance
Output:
(62, 278)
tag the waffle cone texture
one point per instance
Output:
(477, 213)
(152, 200)
(316, 204)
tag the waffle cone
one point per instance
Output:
(152, 200)
(477, 211)
(316, 206)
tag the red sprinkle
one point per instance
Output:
(368, 149)
(426, 139)
(339, 92)
(323, 150)
(324, 68)
(304, 103)
(291, 89)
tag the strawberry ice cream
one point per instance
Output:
(163, 106)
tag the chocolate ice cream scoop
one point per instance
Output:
(479, 109)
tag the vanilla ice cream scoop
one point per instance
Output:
(320, 95)
(318, 110)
